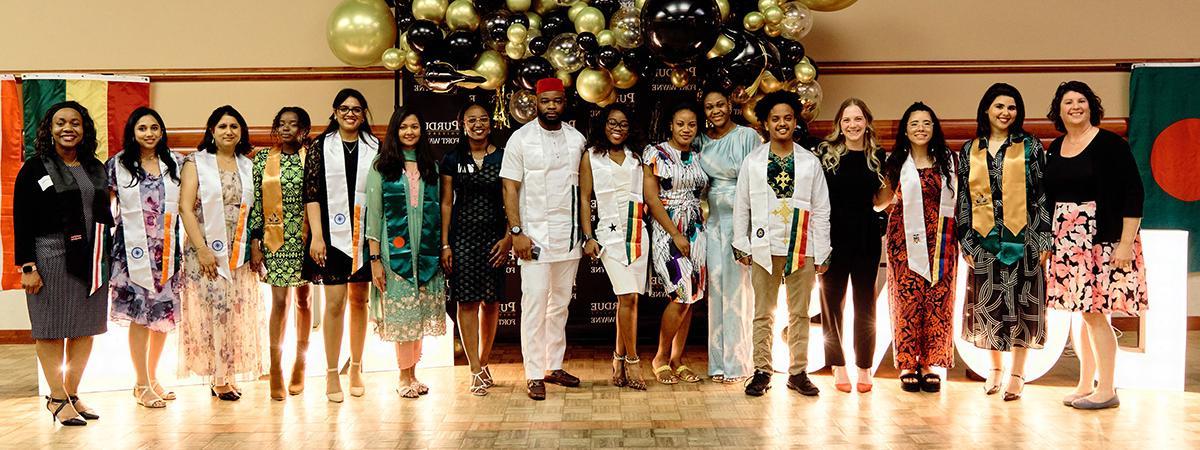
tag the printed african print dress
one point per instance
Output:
(681, 183)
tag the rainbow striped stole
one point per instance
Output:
(798, 241)
(942, 257)
(634, 231)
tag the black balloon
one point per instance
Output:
(556, 22)
(608, 56)
(637, 59)
(775, 61)
(463, 47)
(441, 77)
(790, 51)
(587, 41)
(495, 27)
(608, 7)
(519, 18)
(404, 19)
(437, 51)
(487, 6)
(539, 45)
(742, 65)
(679, 31)
(422, 33)
(532, 69)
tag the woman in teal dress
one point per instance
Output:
(404, 235)
(724, 145)
(279, 235)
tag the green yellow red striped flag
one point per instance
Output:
(109, 99)
(11, 157)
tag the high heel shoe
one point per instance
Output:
(356, 391)
(165, 395)
(478, 387)
(139, 393)
(618, 373)
(229, 396)
(296, 384)
(336, 397)
(842, 383)
(76, 421)
(87, 413)
(488, 381)
(992, 385)
(1013, 396)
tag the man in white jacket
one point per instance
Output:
(781, 229)
(540, 176)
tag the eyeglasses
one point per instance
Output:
(350, 109)
(618, 125)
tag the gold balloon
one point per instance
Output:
(723, 7)
(515, 50)
(393, 58)
(468, 84)
(680, 77)
(575, 9)
(494, 67)
(723, 45)
(518, 5)
(805, 72)
(434, 10)
(623, 77)
(412, 62)
(461, 15)
(764, 4)
(748, 110)
(589, 19)
(545, 6)
(535, 21)
(753, 21)
(567, 78)
(358, 31)
(517, 33)
(594, 85)
(638, 4)
(827, 5)
(774, 15)
(605, 37)
(772, 30)
(769, 83)
(612, 98)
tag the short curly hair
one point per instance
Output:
(763, 108)
(1055, 114)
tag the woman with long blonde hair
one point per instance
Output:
(852, 159)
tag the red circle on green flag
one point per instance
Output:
(1175, 160)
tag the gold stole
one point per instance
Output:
(983, 214)
(272, 198)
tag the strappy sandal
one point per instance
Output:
(421, 388)
(910, 382)
(139, 393)
(162, 393)
(931, 382)
(478, 385)
(76, 421)
(87, 413)
(992, 389)
(488, 381)
(664, 374)
(408, 391)
(1013, 396)
(633, 373)
(718, 378)
(618, 374)
(684, 373)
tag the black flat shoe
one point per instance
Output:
(89, 415)
(910, 382)
(231, 396)
(76, 421)
(931, 382)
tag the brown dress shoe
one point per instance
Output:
(536, 389)
(562, 378)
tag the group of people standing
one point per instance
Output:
(392, 234)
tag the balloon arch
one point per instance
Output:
(598, 47)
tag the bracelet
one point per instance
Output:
(446, 247)
(375, 258)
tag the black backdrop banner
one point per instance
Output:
(593, 308)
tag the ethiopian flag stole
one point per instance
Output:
(797, 240)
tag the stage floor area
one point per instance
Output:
(598, 415)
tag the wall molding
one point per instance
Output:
(896, 67)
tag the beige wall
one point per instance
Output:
(132, 34)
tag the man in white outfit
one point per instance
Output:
(540, 174)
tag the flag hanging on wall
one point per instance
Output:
(1164, 133)
(109, 100)
(12, 153)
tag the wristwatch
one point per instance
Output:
(29, 268)
(587, 237)
(516, 230)
(375, 258)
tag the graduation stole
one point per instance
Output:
(404, 223)
(272, 198)
(76, 232)
(230, 254)
(798, 239)
(137, 255)
(915, 244)
(983, 213)
(346, 220)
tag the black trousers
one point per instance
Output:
(860, 268)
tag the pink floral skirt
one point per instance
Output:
(1081, 275)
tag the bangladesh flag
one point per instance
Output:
(1164, 132)
(109, 100)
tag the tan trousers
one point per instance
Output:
(766, 296)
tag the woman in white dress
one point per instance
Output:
(612, 174)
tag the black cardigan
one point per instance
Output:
(1117, 181)
(47, 212)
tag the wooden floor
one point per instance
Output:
(599, 415)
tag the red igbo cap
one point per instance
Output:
(550, 85)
